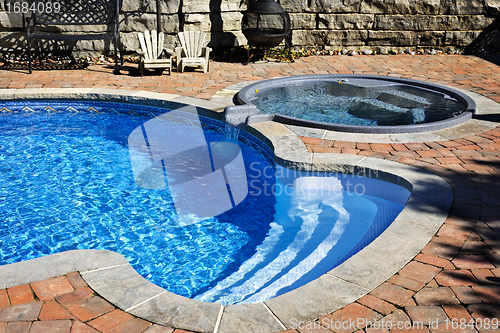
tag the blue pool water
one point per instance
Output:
(66, 183)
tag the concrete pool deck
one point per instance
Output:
(456, 275)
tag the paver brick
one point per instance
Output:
(79, 327)
(110, 321)
(427, 314)
(75, 296)
(406, 282)
(455, 231)
(432, 260)
(76, 280)
(484, 311)
(354, 311)
(20, 294)
(466, 295)
(345, 144)
(51, 310)
(419, 271)
(475, 247)
(488, 294)
(449, 160)
(455, 277)
(448, 328)
(134, 325)
(472, 262)
(380, 147)
(428, 153)
(52, 326)
(436, 296)
(4, 299)
(416, 146)
(457, 312)
(377, 304)
(89, 308)
(21, 312)
(18, 327)
(48, 289)
(441, 250)
(162, 329)
(485, 276)
(392, 293)
(399, 147)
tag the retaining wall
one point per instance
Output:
(330, 24)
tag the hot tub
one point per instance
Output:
(352, 103)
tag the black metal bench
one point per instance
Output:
(73, 12)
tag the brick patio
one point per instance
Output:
(456, 276)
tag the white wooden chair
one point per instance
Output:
(192, 52)
(153, 53)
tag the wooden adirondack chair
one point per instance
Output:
(154, 56)
(192, 52)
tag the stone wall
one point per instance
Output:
(329, 24)
(394, 23)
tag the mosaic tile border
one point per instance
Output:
(51, 107)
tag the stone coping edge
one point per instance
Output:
(112, 277)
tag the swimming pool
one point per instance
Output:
(68, 184)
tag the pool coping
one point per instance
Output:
(109, 274)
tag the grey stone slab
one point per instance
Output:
(225, 94)
(248, 318)
(428, 209)
(122, 286)
(307, 132)
(331, 162)
(21, 312)
(315, 299)
(290, 152)
(357, 137)
(415, 137)
(110, 94)
(176, 311)
(153, 96)
(484, 105)
(74, 93)
(57, 264)
(241, 85)
(271, 128)
(7, 94)
(471, 127)
(222, 100)
(214, 106)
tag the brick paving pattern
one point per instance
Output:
(455, 277)
(65, 304)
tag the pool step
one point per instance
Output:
(284, 257)
(289, 256)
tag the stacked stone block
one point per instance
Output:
(329, 24)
